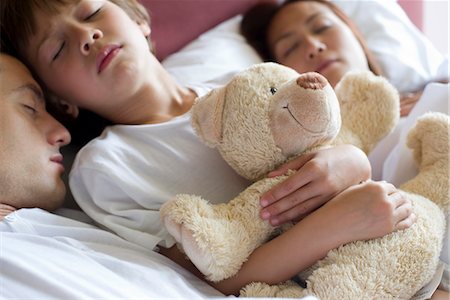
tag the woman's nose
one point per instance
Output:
(88, 38)
(314, 48)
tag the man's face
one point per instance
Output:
(30, 140)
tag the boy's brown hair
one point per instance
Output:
(17, 21)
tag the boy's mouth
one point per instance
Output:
(105, 56)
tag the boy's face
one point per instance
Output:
(30, 162)
(90, 53)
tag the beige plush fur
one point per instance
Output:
(269, 114)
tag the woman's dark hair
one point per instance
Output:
(256, 21)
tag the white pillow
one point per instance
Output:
(407, 57)
(214, 54)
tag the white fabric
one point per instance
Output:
(407, 57)
(51, 257)
(46, 256)
(434, 98)
(219, 51)
(123, 177)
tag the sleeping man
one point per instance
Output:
(44, 255)
(30, 161)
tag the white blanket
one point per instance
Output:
(46, 256)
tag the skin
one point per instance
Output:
(132, 89)
(135, 89)
(308, 36)
(30, 159)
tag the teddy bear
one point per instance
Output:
(268, 114)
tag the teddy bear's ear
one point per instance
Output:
(207, 116)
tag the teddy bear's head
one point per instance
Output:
(265, 115)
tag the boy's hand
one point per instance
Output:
(5, 210)
(320, 176)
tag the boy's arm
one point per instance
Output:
(361, 212)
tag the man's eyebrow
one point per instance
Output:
(34, 89)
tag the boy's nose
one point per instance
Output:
(89, 39)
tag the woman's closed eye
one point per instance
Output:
(321, 29)
(290, 49)
(89, 17)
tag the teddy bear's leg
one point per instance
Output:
(395, 266)
(430, 142)
(286, 290)
(210, 241)
(219, 238)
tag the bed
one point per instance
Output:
(65, 256)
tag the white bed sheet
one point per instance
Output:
(47, 256)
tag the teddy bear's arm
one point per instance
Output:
(370, 109)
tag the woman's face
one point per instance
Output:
(308, 36)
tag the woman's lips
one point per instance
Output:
(106, 55)
(325, 65)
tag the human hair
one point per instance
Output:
(18, 23)
(256, 22)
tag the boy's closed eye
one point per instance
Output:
(60, 49)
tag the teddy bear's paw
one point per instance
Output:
(370, 108)
(363, 86)
(215, 243)
(286, 290)
(183, 210)
(430, 143)
(430, 139)
(223, 247)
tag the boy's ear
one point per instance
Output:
(62, 107)
(145, 28)
(69, 109)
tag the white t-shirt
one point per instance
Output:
(122, 178)
(46, 256)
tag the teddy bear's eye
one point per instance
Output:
(273, 90)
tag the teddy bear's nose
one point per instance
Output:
(312, 80)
